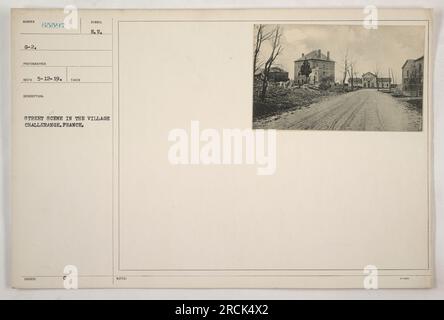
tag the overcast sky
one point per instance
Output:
(381, 49)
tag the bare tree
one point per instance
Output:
(276, 49)
(390, 80)
(392, 76)
(345, 68)
(376, 72)
(261, 36)
(351, 72)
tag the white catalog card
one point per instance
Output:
(222, 148)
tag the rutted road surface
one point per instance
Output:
(367, 109)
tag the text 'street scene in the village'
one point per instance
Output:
(338, 77)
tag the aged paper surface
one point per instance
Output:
(103, 196)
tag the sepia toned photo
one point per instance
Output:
(338, 77)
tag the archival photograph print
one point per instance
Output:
(338, 77)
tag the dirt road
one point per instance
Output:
(368, 110)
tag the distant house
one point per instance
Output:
(384, 83)
(357, 82)
(371, 80)
(276, 74)
(322, 68)
(412, 77)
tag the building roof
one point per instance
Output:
(314, 55)
(277, 69)
(272, 69)
(369, 73)
(412, 61)
(357, 80)
(408, 61)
